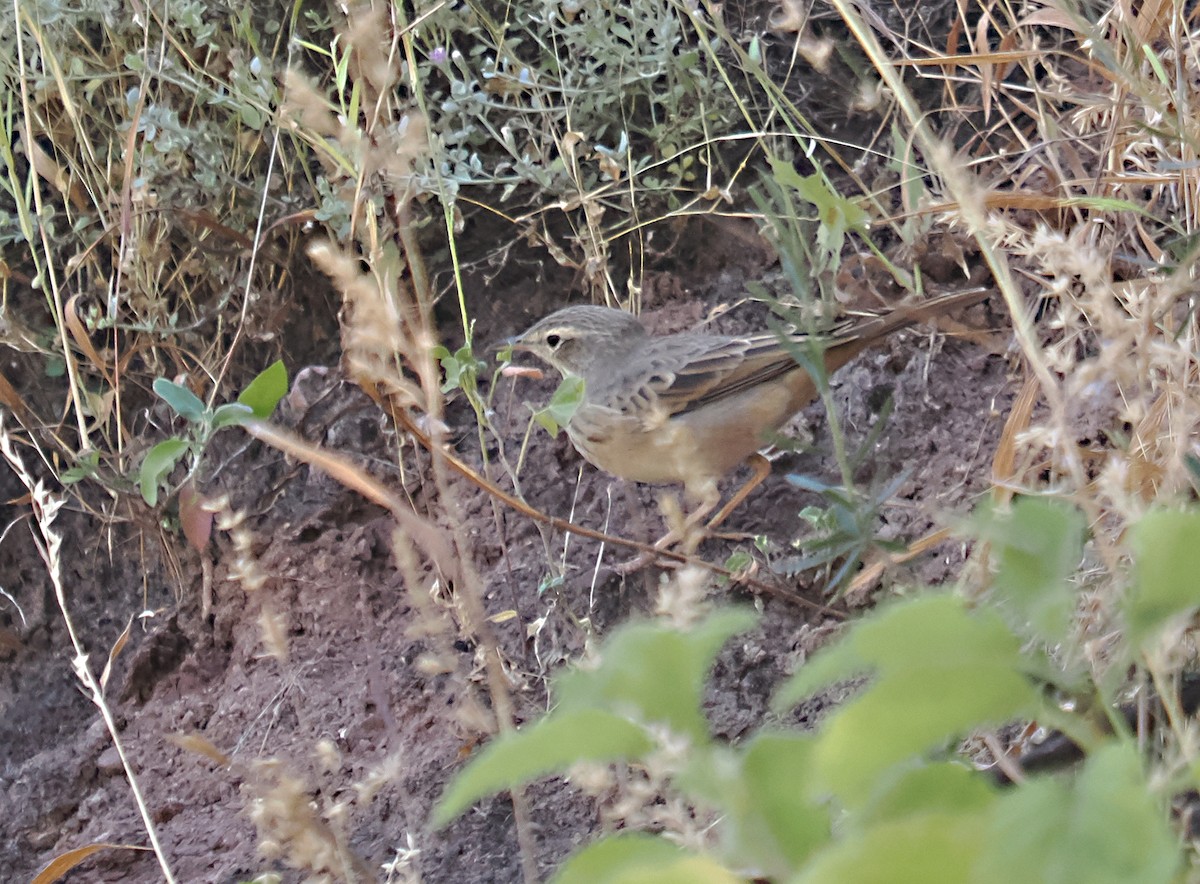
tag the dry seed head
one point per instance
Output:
(475, 717)
(338, 814)
(591, 778)
(389, 771)
(681, 599)
(244, 567)
(1118, 369)
(395, 152)
(328, 756)
(288, 825)
(431, 665)
(273, 627)
(374, 333)
(373, 60)
(305, 108)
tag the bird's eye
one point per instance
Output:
(552, 341)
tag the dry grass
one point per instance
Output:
(1077, 175)
(1107, 150)
(1074, 164)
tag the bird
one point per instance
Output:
(688, 408)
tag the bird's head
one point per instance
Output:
(575, 339)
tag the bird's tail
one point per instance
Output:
(858, 333)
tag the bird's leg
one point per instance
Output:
(684, 530)
(762, 469)
(708, 497)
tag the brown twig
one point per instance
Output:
(402, 418)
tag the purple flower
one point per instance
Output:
(438, 55)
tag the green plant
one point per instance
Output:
(878, 791)
(568, 99)
(808, 222)
(573, 122)
(134, 160)
(842, 530)
(258, 400)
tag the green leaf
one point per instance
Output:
(920, 709)
(945, 786)
(940, 671)
(562, 406)
(738, 560)
(86, 466)
(769, 821)
(932, 848)
(1105, 828)
(460, 368)
(653, 673)
(230, 413)
(912, 183)
(264, 392)
(785, 173)
(1038, 546)
(553, 744)
(836, 215)
(160, 460)
(635, 858)
(775, 768)
(184, 402)
(1167, 552)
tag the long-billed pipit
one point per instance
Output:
(690, 407)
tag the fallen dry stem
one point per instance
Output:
(344, 470)
(565, 525)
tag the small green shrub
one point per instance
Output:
(563, 100)
(258, 400)
(878, 791)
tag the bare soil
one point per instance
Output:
(353, 677)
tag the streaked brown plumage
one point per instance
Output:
(690, 407)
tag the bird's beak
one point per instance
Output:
(513, 343)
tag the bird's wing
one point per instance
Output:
(690, 371)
